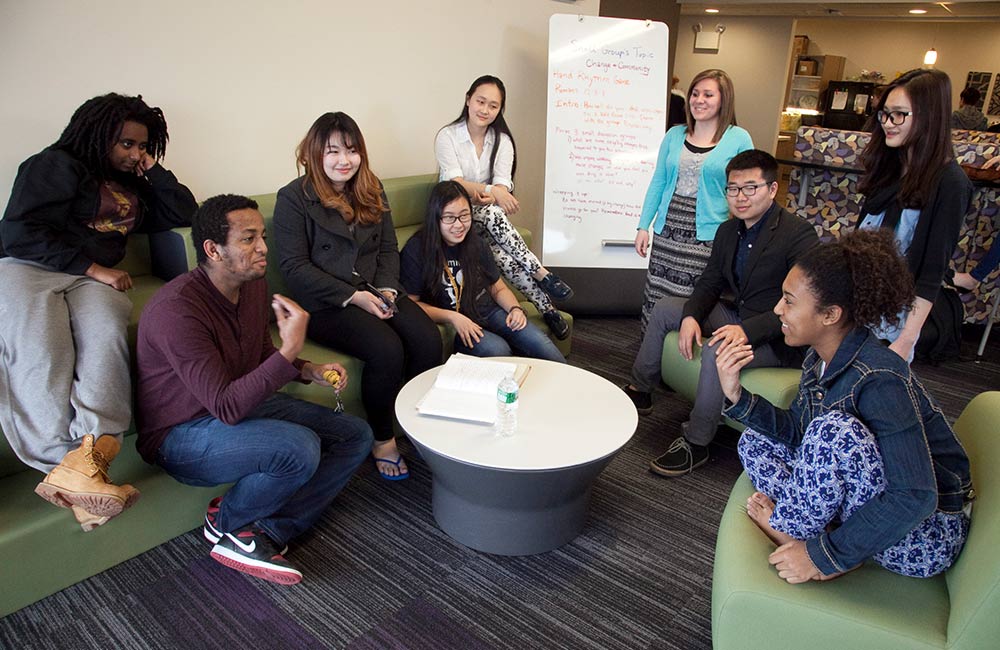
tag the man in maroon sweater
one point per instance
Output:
(208, 409)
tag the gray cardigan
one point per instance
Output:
(318, 254)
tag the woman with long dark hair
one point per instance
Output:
(336, 248)
(863, 464)
(448, 271)
(63, 307)
(686, 199)
(477, 150)
(914, 188)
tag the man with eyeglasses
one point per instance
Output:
(733, 300)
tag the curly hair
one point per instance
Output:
(211, 222)
(97, 124)
(862, 273)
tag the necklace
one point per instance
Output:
(456, 287)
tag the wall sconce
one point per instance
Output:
(930, 57)
(707, 41)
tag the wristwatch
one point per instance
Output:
(488, 189)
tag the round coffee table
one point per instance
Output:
(528, 493)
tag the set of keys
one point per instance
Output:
(333, 377)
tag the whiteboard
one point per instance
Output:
(607, 107)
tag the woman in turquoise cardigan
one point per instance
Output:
(686, 199)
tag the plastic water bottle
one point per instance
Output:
(506, 423)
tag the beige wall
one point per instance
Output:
(755, 53)
(892, 47)
(240, 82)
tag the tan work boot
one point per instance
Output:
(88, 521)
(81, 479)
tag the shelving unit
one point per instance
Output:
(806, 91)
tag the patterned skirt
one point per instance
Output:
(677, 257)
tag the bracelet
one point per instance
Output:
(517, 307)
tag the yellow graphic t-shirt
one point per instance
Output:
(118, 210)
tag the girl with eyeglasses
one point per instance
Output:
(336, 248)
(914, 187)
(450, 273)
(477, 150)
(686, 199)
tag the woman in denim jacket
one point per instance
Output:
(863, 465)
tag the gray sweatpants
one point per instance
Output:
(709, 399)
(64, 365)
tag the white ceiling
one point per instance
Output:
(968, 10)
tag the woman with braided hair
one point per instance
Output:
(64, 359)
(863, 464)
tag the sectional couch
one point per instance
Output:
(44, 548)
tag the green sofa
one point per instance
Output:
(870, 608)
(46, 549)
(408, 199)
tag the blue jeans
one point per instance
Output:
(288, 459)
(498, 340)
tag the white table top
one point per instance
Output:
(567, 416)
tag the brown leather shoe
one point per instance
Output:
(81, 479)
(88, 521)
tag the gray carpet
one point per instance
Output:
(380, 574)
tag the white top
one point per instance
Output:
(567, 416)
(456, 156)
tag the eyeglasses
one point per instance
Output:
(748, 190)
(896, 117)
(450, 219)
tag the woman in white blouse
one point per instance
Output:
(477, 150)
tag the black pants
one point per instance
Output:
(408, 342)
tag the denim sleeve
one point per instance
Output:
(891, 413)
(765, 418)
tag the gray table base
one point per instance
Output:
(510, 512)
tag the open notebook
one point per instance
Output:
(466, 388)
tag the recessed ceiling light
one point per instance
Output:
(918, 11)
(711, 11)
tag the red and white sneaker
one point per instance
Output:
(209, 530)
(251, 551)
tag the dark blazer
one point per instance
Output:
(317, 253)
(783, 240)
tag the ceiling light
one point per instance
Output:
(711, 11)
(918, 11)
(930, 57)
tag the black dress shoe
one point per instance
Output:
(680, 458)
(643, 401)
(557, 324)
(553, 285)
